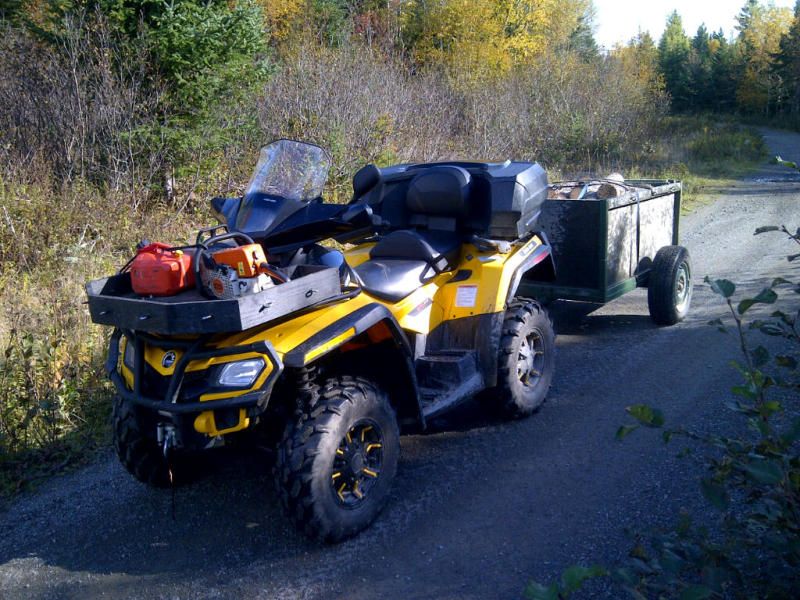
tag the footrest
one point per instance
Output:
(446, 369)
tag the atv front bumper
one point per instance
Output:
(173, 404)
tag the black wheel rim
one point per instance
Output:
(530, 359)
(357, 464)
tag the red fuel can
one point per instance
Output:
(158, 270)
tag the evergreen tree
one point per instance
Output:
(700, 70)
(700, 41)
(724, 63)
(673, 58)
(201, 56)
(582, 40)
(788, 64)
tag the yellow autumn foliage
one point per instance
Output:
(639, 60)
(283, 17)
(761, 40)
(477, 40)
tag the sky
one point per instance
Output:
(619, 20)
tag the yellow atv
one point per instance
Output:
(344, 350)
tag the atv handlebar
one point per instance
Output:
(215, 239)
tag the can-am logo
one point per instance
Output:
(168, 360)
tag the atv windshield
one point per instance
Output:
(290, 170)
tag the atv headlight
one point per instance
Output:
(130, 354)
(240, 374)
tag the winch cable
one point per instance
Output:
(168, 443)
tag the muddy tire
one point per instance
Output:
(669, 289)
(139, 454)
(526, 359)
(337, 460)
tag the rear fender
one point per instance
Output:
(538, 262)
(539, 265)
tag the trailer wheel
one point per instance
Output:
(669, 291)
(337, 460)
(526, 360)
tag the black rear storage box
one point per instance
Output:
(506, 197)
(517, 192)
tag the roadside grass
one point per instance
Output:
(54, 397)
(707, 155)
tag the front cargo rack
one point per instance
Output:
(113, 302)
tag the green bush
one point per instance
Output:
(54, 396)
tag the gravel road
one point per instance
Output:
(479, 507)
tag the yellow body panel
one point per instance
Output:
(358, 254)
(205, 423)
(485, 291)
(482, 292)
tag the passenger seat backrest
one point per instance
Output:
(438, 197)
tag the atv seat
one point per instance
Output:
(405, 259)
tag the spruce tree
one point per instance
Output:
(788, 64)
(673, 58)
(723, 75)
(700, 70)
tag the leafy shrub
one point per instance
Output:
(53, 393)
(365, 107)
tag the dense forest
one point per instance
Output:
(755, 73)
(147, 95)
(120, 118)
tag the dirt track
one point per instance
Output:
(479, 508)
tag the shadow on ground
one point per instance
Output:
(231, 515)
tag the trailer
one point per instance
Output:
(606, 247)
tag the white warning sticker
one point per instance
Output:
(466, 295)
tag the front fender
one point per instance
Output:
(342, 331)
(404, 394)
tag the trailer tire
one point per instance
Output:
(347, 432)
(526, 359)
(669, 289)
(141, 455)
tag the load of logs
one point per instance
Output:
(594, 189)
